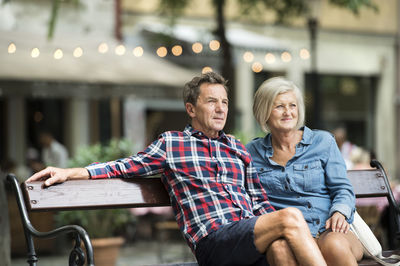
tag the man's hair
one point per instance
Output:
(191, 91)
(265, 96)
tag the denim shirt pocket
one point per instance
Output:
(270, 179)
(310, 174)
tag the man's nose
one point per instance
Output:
(220, 106)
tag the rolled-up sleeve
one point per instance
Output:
(342, 194)
(148, 162)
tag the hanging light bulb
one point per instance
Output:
(58, 54)
(12, 48)
(35, 53)
(138, 51)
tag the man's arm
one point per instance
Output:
(257, 193)
(54, 175)
(148, 162)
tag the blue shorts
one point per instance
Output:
(232, 244)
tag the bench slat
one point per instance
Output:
(96, 194)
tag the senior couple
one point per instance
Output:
(218, 188)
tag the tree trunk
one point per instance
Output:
(227, 69)
(5, 242)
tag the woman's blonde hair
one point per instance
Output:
(265, 96)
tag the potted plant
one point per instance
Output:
(106, 225)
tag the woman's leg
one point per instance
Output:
(339, 248)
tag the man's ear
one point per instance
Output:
(190, 109)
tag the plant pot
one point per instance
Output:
(106, 250)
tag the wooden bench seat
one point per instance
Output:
(145, 192)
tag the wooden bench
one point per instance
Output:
(142, 192)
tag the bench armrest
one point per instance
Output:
(76, 256)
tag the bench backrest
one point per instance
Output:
(148, 192)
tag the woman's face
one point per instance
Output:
(284, 114)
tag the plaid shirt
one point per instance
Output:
(211, 182)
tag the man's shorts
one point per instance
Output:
(232, 244)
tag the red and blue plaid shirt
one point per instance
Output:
(211, 182)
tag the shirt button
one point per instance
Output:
(317, 222)
(309, 205)
(283, 169)
(286, 187)
(261, 169)
(306, 167)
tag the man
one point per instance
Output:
(53, 153)
(219, 203)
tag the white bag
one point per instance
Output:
(372, 247)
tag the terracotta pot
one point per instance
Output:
(106, 250)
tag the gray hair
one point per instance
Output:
(265, 96)
(191, 91)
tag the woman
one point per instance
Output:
(303, 168)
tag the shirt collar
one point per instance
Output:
(190, 131)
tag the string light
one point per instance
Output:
(78, 52)
(162, 51)
(214, 45)
(35, 53)
(120, 50)
(206, 69)
(103, 48)
(177, 50)
(286, 57)
(304, 54)
(138, 51)
(12, 48)
(257, 67)
(197, 47)
(58, 54)
(270, 58)
(248, 57)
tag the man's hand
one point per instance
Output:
(53, 175)
(337, 222)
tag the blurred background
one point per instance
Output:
(86, 72)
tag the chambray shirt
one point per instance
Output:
(211, 182)
(314, 180)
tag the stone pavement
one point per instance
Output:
(134, 254)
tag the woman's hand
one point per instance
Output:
(53, 175)
(337, 223)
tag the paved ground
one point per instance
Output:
(138, 253)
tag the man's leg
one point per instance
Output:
(339, 248)
(290, 225)
(280, 253)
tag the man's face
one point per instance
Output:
(211, 109)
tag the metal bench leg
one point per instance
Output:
(32, 258)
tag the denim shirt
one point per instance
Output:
(314, 180)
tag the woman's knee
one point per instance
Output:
(334, 243)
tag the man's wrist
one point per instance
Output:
(79, 173)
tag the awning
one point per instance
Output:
(237, 37)
(91, 67)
